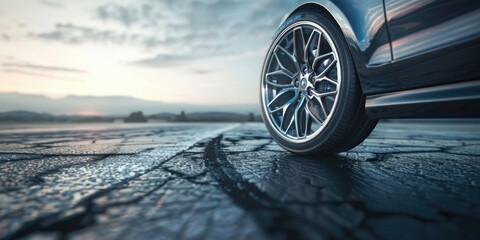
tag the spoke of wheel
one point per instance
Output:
(284, 106)
(307, 118)
(324, 111)
(317, 59)
(280, 72)
(327, 69)
(305, 53)
(324, 78)
(298, 44)
(316, 94)
(291, 120)
(289, 43)
(318, 97)
(286, 52)
(279, 85)
(317, 52)
(319, 121)
(281, 93)
(292, 57)
(300, 103)
(282, 68)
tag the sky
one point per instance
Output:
(174, 51)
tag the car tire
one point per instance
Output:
(311, 98)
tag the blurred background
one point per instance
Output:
(165, 60)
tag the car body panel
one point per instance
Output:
(434, 42)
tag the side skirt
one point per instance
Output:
(444, 101)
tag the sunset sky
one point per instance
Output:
(195, 51)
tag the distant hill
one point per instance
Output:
(25, 116)
(33, 117)
(109, 105)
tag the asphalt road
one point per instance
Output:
(231, 181)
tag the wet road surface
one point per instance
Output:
(220, 181)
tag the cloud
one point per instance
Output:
(5, 37)
(202, 71)
(52, 4)
(115, 12)
(165, 59)
(74, 34)
(179, 30)
(38, 74)
(43, 67)
(199, 52)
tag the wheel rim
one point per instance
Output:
(300, 82)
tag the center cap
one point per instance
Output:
(303, 83)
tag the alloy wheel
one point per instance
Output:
(300, 82)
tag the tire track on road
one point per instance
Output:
(270, 214)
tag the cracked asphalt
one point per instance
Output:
(231, 181)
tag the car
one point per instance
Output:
(335, 67)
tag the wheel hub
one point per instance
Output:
(305, 82)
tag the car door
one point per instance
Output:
(434, 41)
